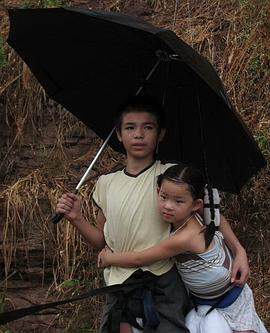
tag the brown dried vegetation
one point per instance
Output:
(44, 151)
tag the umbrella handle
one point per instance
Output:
(56, 218)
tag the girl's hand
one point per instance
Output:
(69, 205)
(104, 256)
(240, 269)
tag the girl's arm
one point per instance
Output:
(166, 249)
(240, 269)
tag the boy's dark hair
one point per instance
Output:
(186, 174)
(141, 104)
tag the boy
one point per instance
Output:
(128, 220)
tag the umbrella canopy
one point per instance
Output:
(92, 62)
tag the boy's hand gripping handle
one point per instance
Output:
(57, 217)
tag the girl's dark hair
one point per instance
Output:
(187, 174)
(141, 104)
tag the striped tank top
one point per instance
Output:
(208, 274)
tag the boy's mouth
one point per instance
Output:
(139, 145)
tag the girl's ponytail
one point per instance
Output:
(211, 213)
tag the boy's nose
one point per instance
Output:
(139, 133)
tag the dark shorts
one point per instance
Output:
(170, 300)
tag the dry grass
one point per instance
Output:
(234, 36)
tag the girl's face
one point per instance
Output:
(175, 202)
(139, 134)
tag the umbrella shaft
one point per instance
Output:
(148, 76)
(94, 160)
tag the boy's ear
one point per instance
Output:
(118, 135)
(158, 189)
(161, 134)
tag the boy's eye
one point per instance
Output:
(163, 197)
(129, 128)
(148, 127)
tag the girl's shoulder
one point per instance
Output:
(193, 237)
(186, 237)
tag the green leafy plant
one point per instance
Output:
(52, 3)
(70, 284)
(263, 142)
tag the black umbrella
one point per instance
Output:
(92, 62)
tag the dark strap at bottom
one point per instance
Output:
(9, 316)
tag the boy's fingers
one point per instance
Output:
(65, 207)
(63, 202)
(65, 197)
(72, 196)
(61, 211)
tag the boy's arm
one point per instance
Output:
(164, 250)
(93, 235)
(240, 269)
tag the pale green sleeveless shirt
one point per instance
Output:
(133, 222)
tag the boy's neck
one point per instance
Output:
(135, 166)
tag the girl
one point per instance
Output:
(201, 256)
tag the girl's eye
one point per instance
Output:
(162, 197)
(179, 201)
(129, 128)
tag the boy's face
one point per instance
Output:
(139, 134)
